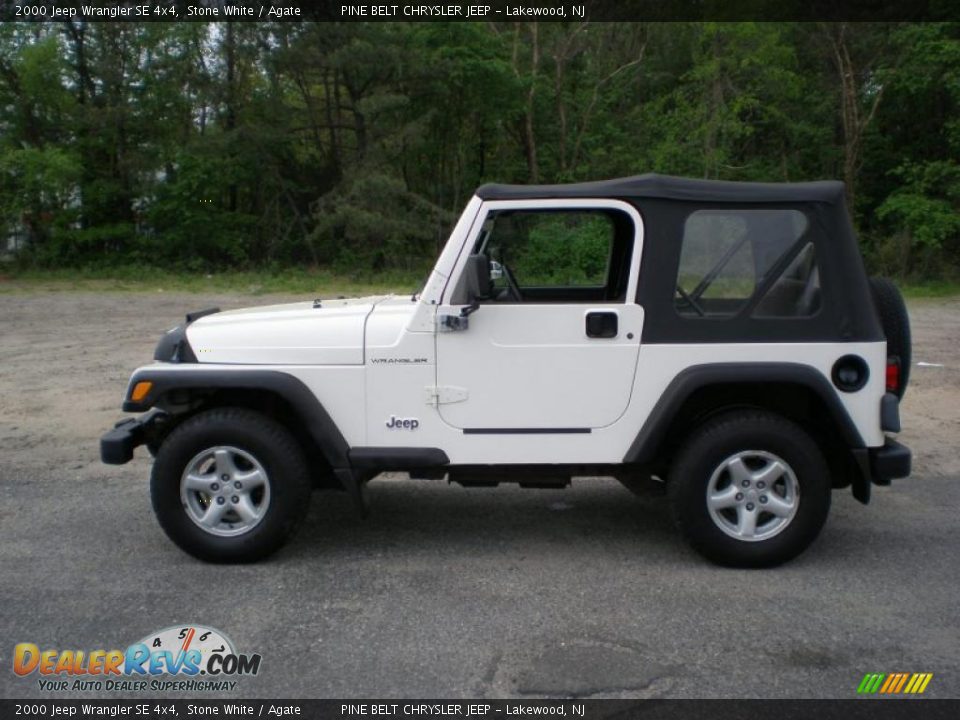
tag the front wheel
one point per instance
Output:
(230, 485)
(750, 489)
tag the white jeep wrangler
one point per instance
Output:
(719, 339)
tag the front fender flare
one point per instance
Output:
(316, 421)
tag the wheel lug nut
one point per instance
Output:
(739, 496)
(761, 484)
(234, 499)
(750, 506)
(215, 486)
(238, 486)
(220, 501)
(224, 477)
(745, 483)
(763, 498)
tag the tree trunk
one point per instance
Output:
(230, 121)
(853, 120)
(715, 102)
(530, 139)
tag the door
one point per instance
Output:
(551, 343)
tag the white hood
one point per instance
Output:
(290, 334)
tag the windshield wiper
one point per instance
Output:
(413, 297)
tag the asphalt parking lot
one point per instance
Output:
(450, 592)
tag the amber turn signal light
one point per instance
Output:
(140, 390)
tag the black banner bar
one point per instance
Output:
(149, 709)
(477, 10)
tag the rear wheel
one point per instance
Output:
(750, 489)
(230, 485)
(896, 325)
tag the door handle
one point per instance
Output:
(602, 324)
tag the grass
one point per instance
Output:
(294, 281)
(930, 289)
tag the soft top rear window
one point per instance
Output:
(729, 256)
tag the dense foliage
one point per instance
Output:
(353, 146)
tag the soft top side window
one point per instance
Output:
(729, 257)
(557, 255)
(796, 292)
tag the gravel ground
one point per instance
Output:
(444, 591)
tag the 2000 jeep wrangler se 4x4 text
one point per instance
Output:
(719, 339)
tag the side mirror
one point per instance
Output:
(479, 277)
(475, 283)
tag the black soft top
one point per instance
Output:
(668, 187)
(846, 313)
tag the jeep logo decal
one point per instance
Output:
(395, 423)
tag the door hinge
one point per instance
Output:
(453, 323)
(445, 394)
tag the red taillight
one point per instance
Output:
(893, 374)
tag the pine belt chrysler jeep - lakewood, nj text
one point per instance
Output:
(719, 340)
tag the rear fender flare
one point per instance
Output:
(648, 441)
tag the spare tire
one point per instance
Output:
(896, 324)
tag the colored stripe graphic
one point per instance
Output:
(897, 683)
(901, 681)
(890, 682)
(894, 683)
(870, 683)
(921, 682)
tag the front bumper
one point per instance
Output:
(889, 462)
(117, 445)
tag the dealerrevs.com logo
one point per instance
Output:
(185, 658)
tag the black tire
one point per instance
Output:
(896, 324)
(707, 449)
(280, 456)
